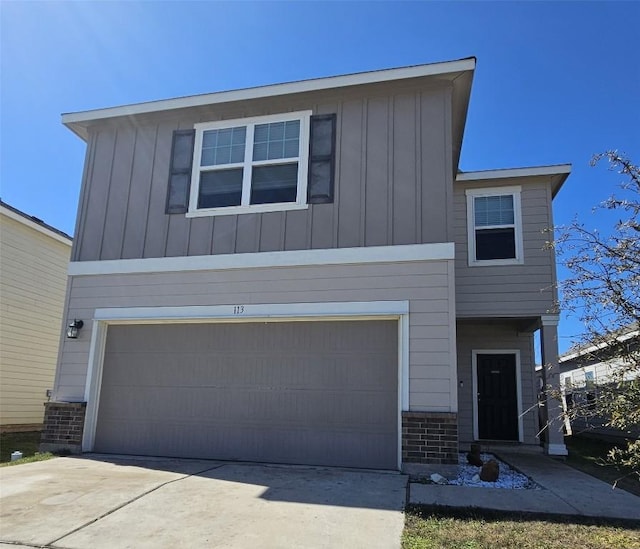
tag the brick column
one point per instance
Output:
(63, 427)
(429, 437)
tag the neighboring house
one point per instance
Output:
(586, 368)
(299, 273)
(34, 258)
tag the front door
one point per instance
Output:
(497, 397)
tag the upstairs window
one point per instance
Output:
(494, 226)
(250, 165)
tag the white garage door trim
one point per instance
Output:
(281, 312)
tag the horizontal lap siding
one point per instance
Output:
(424, 284)
(393, 185)
(476, 336)
(33, 277)
(508, 290)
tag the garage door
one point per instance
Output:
(318, 393)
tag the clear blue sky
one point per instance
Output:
(555, 82)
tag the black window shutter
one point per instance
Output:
(180, 171)
(322, 159)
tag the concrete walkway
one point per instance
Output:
(105, 502)
(565, 491)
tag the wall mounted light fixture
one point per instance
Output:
(74, 328)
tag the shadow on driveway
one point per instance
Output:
(287, 483)
(116, 501)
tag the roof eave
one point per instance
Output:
(34, 223)
(78, 121)
(570, 355)
(558, 173)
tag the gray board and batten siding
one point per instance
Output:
(393, 181)
(313, 393)
(509, 290)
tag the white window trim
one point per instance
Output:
(474, 376)
(472, 194)
(285, 312)
(303, 164)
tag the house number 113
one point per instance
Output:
(238, 309)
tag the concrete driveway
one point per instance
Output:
(115, 502)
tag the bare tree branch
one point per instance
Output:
(603, 288)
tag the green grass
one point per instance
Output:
(30, 459)
(27, 443)
(440, 528)
(589, 456)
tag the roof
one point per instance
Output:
(79, 121)
(625, 334)
(459, 72)
(34, 223)
(558, 173)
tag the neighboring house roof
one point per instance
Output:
(34, 223)
(578, 351)
(560, 172)
(459, 73)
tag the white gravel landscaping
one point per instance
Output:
(508, 478)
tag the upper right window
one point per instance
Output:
(494, 224)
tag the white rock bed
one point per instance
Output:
(508, 478)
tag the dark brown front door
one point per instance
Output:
(497, 397)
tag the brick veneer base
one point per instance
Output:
(63, 426)
(429, 437)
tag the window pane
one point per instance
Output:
(239, 135)
(276, 140)
(224, 137)
(494, 210)
(276, 150)
(220, 188)
(223, 155)
(237, 153)
(495, 244)
(276, 131)
(261, 133)
(217, 149)
(208, 157)
(291, 148)
(210, 138)
(292, 129)
(260, 151)
(271, 184)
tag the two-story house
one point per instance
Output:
(299, 273)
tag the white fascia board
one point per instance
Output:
(36, 226)
(558, 169)
(302, 86)
(298, 258)
(259, 311)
